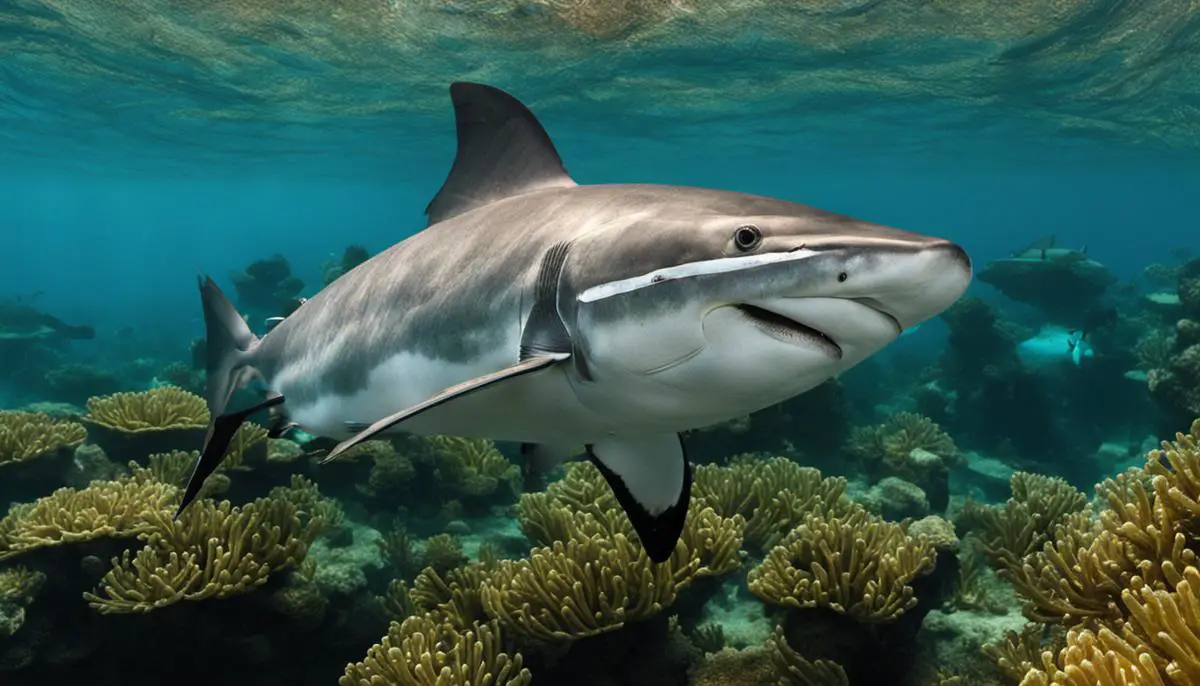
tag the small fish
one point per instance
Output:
(1078, 346)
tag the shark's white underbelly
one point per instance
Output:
(537, 408)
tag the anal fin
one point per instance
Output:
(652, 480)
(522, 368)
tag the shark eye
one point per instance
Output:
(842, 276)
(747, 237)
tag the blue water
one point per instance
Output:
(144, 141)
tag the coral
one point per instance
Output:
(160, 408)
(390, 470)
(304, 495)
(1026, 520)
(75, 383)
(591, 577)
(28, 435)
(709, 638)
(1017, 653)
(214, 550)
(353, 256)
(794, 669)
(105, 509)
(19, 585)
(748, 667)
(421, 651)
(267, 286)
(456, 596)
(396, 546)
(892, 441)
(583, 587)
(1096, 659)
(1125, 579)
(443, 552)
(773, 495)
(856, 565)
(175, 468)
(397, 601)
(473, 467)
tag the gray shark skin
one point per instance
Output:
(536, 310)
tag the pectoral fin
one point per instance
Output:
(652, 480)
(522, 368)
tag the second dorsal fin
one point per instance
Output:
(502, 151)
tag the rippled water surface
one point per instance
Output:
(354, 86)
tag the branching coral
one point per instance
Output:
(1026, 521)
(421, 651)
(212, 551)
(856, 565)
(473, 466)
(584, 587)
(894, 440)
(794, 670)
(773, 495)
(160, 408)
(19, 585)
(118, 509)
(27, 435)
(455, 596)
(309, 503)
(175, 468)
(1126, 580)
(1096, 659)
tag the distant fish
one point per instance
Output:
(1078, 346)
(1044, 249)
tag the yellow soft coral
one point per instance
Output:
(166, 407)
(212, 551)
(584, 587)
(27, 435)
(773, 495)
(857, 565)
(421, 651)
(105, 509)
(473, 466)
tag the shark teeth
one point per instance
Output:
(784, 328)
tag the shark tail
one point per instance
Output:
(229, 366)
(230, 344)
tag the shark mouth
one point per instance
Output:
(789, 330)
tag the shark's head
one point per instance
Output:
(721, 295)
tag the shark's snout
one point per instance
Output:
(916, 286)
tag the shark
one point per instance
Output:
(536, 310)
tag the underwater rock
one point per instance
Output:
(90, 464)
(1063, 289)
(956, 639)
(988, 474)
(74, 383)
(267, 287)
(895, 499)
(343, 570)
(1189, 289)
(302, 602)
(729, 667)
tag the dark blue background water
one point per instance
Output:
(144, 142)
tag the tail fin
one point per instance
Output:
(229, 342)
(229, 346)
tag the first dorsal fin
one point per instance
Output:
(502, 151)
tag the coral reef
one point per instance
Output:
(911, 447)
(138, 424)
(28, 435)
(1120, 574)
(215, 550)
(267, 288)
(1174, 381)
(421, 651)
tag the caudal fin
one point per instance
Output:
(229, 346)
